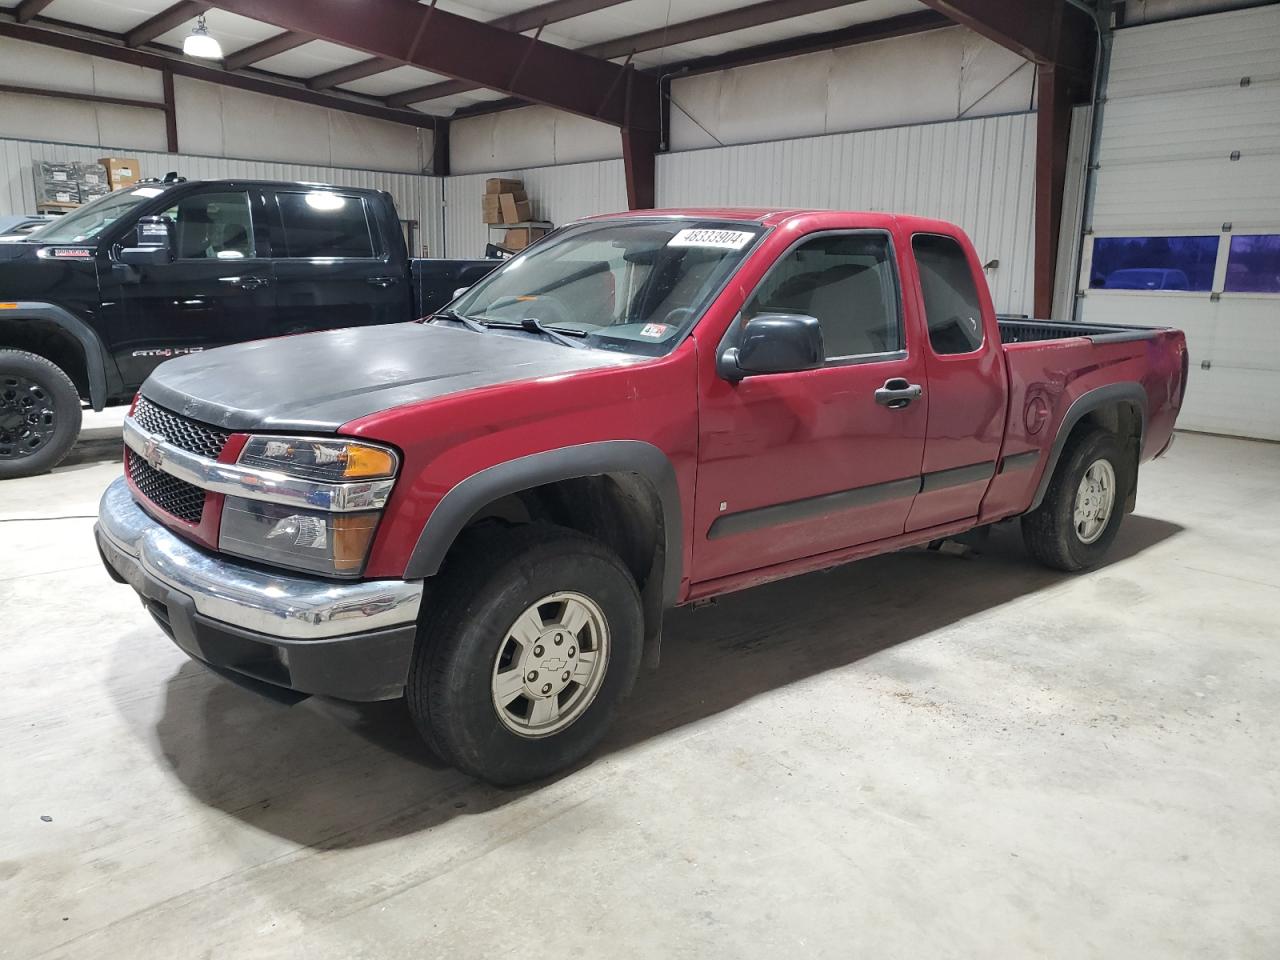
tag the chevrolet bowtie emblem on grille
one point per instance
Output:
(153, 453)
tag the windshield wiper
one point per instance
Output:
(534, 325)
(475, 326)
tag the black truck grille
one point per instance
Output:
(184, 500)
(191, 435)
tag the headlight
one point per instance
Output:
(332, 544)
(332, 461)
(295, 476)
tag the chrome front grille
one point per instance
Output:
(191, 435)
(177, 497)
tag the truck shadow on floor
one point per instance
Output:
(331, 775)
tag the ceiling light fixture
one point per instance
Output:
(200, 44)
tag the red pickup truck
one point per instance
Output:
(487, 511)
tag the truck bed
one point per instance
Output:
(1024, 330)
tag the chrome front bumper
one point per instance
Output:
(351, 640)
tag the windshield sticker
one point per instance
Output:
(654, 331)
(724, 239)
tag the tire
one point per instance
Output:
(466, 647)
(1050, 532)
(39, 414)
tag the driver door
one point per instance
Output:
(218, 289)
(793, 465)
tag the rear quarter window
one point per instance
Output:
(321, 223)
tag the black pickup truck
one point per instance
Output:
(91, 303)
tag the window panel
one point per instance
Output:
(1153, 263)
(213, 226)
(1253, 264)
(951, 306)
(847, 282)
(324, 224)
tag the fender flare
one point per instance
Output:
(94, 356)
(1125, 391)
(462, 502)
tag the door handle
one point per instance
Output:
(382, 281)
(898, 393)
(247, 283)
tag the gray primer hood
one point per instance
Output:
(319, 381)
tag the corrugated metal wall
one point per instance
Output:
(417, 197)
(1178, 109)
(559, 194)
(977, 173)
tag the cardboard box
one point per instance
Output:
(499, 185)
(521, 237)
(515, 208)
(491, 208)
(121, 171)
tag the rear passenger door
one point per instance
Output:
(967, 383)
(333, 267)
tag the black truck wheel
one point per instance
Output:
(1082, 509)
(39, 414)
(532, 638)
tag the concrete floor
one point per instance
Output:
(920, 755)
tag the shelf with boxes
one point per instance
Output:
(505, 206)
(61, 186)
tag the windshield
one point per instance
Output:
(93, 218)
(635, 286)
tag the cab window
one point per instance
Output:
(846, 281)
(951, 304)
(213, 226)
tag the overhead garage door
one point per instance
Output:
(1186, 222)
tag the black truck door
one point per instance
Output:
(333, 266)
(218, 289)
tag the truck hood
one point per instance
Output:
(319, 381)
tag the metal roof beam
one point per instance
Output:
(28, 9)
(442, 42)
(1048, 32)
(280, 43)
(531, 19)
(755, 15)
(164, 21)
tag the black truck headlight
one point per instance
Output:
(315, 503)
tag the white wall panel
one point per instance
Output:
(213, 120)
(977, 173)
(940, 75)
(560, 194)
(528, 137)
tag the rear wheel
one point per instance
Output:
(39, 414)
(532, 639)
(1082, 509)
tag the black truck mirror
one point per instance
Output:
(154, 243)
(774, 343)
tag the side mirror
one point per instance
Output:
(146, 256)
(774, 343)
(154, 243)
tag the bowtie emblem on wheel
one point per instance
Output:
(153, 453)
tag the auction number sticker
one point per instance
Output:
(724, 239)
(654, 331)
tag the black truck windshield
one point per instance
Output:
(630, 285)
(90, 220)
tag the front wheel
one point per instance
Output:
(534, 639)
(1080, 515)
(39, 414)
